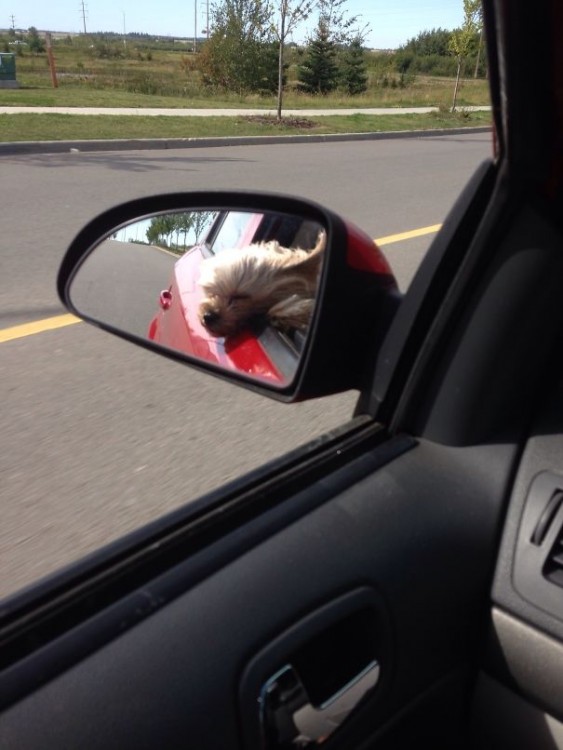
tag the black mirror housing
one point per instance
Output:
(357, 293)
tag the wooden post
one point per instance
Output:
(51, 59)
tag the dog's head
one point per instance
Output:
(241, 285)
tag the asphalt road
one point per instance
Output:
(120, 284)
(99, 436)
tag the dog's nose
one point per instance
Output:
(210, 317)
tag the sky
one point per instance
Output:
(392, 22)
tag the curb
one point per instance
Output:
(153, 144)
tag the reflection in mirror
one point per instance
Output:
(234, 288)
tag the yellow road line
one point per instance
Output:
(38, 326)
(60, 321)
(408, 235)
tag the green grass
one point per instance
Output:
(55, 127)
(424, 92)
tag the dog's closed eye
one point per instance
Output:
(237, 298)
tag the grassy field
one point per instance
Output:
(93, 72)
(99, 74)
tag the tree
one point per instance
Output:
(163, 229)
(289, 14)
(353, 75)
(202, 220)
(160, 229)
(240, 54)
(480, 23)
(340, 27)
(319, 72)
(432, 42)
(462, 38)
(34, 40)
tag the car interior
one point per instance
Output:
(397, 583)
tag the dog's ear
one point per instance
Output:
(293, 312)
(307, 266)
(321, 242)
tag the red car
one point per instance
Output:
(263, 352)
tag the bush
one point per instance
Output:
(34, 41)
(251, 67)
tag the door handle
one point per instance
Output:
(289, 718)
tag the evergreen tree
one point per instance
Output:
(319, 72)
(353, 75)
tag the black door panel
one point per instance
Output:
(418, 533)
(524, 656)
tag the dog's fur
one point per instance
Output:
(262, 281)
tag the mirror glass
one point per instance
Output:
(229, 287)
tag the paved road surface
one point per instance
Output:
(99, 436)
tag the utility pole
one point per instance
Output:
(83, 13)
(207, 20)
(13, 20)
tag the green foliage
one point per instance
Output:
(318, 74)
(334, 56)
(339, 25)
(244, 68)
(432, 65)
(353, 74)
(463, 39)
(432, 42)
(161, 229)
(433, 52)
(105, 48)
(241, 54)
(34, 41)
(427, 53)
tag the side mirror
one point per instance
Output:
(274, 293)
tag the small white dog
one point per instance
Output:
(264, 281)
